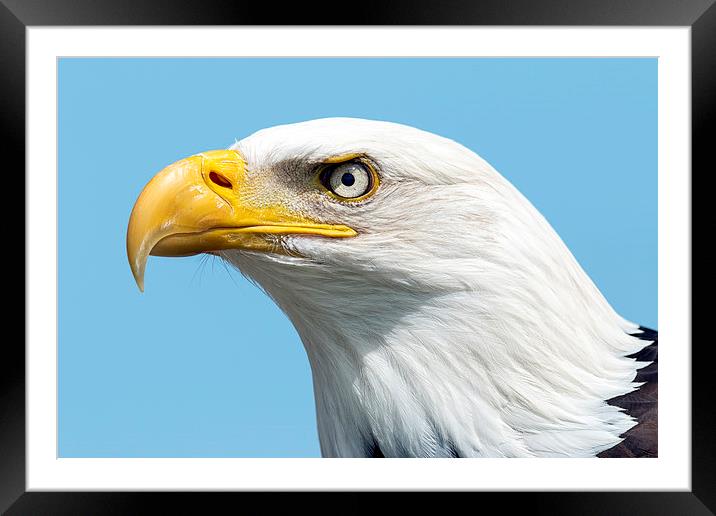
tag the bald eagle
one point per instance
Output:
(441, 313)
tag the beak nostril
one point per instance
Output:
(219, 179)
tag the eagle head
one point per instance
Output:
(441, 313)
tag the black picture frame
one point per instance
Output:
(16, 15)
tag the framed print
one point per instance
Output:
(259, 256)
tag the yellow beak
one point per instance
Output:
(196, 205)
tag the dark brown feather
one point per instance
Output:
(642, 404)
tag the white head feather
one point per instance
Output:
(457, 322)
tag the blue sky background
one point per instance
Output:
(203, 364)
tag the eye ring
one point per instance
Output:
(350, 180)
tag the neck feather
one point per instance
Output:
(486, 372)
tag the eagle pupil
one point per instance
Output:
(348, 179)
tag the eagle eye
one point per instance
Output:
(348, 180)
